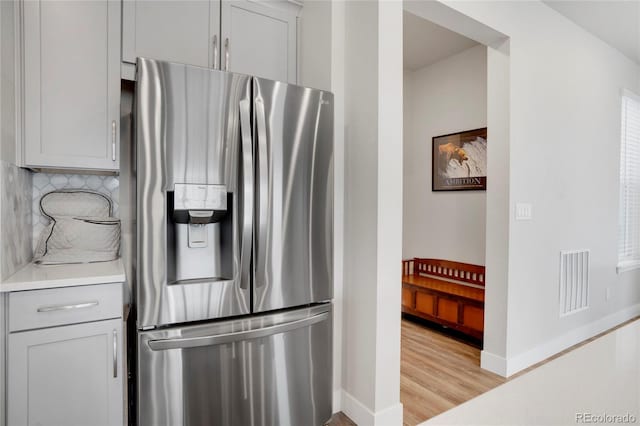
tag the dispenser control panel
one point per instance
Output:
(200, 197)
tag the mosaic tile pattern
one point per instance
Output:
(15, 218)
(44, 183)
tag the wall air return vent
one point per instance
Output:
(574, 281)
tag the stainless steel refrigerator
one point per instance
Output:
(234, 248)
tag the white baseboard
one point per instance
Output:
(336, 402)
(356, 411)
(506, 367)
(541, 352)
(363, 416)
(494, 363)
(390, 416)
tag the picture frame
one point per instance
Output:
(459, 161)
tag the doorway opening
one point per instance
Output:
(445, 170)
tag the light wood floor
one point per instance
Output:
(340, 419)
(438, 372)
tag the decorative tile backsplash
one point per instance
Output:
(15, 218)
(44, 183)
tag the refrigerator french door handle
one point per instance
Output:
(220, 339)
(247, 192)
(263, 182)
(215, 52)
(226, 54)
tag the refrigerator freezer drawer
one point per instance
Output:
(264, 370)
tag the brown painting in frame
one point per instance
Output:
(459, 161)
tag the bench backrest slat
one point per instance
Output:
(458, 271)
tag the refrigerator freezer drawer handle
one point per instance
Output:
(247, 192)
(219, 339)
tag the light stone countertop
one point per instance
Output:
(33, 277)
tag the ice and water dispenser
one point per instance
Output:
(199, 232)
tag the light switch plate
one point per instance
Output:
(524, 211)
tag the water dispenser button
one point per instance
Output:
(197, 235)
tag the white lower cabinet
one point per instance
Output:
(69, 374)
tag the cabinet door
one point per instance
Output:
(71, 84)
(259, 39)
(69, 375)
(184, 31)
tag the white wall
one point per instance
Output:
(373, 215)
(11, 178)
(446, 97)
(337, 86)
(15, 183)
(564, 140)
(321, 65)
(314, 46)
(388, 408)
(3, 78)
(361, 157)
(498, 208)
(7, 82)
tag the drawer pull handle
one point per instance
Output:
(113, 140)
(67, 307)
(115, 353)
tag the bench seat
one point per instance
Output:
(445, 287)
(445, 292)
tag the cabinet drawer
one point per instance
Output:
(68, 305)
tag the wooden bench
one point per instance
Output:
(448, 293)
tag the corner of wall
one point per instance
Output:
(575, 336)
(498, 210)
(362, 416)
(509, 366)
(15, 183)
(356, 410)
(494, 363)
(337, 33)
(15, 218)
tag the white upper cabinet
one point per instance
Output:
(71, 84)
(176, 31)
(250, 37)
(259, 38)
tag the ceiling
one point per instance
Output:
(617, 22)
(426, 43)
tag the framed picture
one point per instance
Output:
(459, 161)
